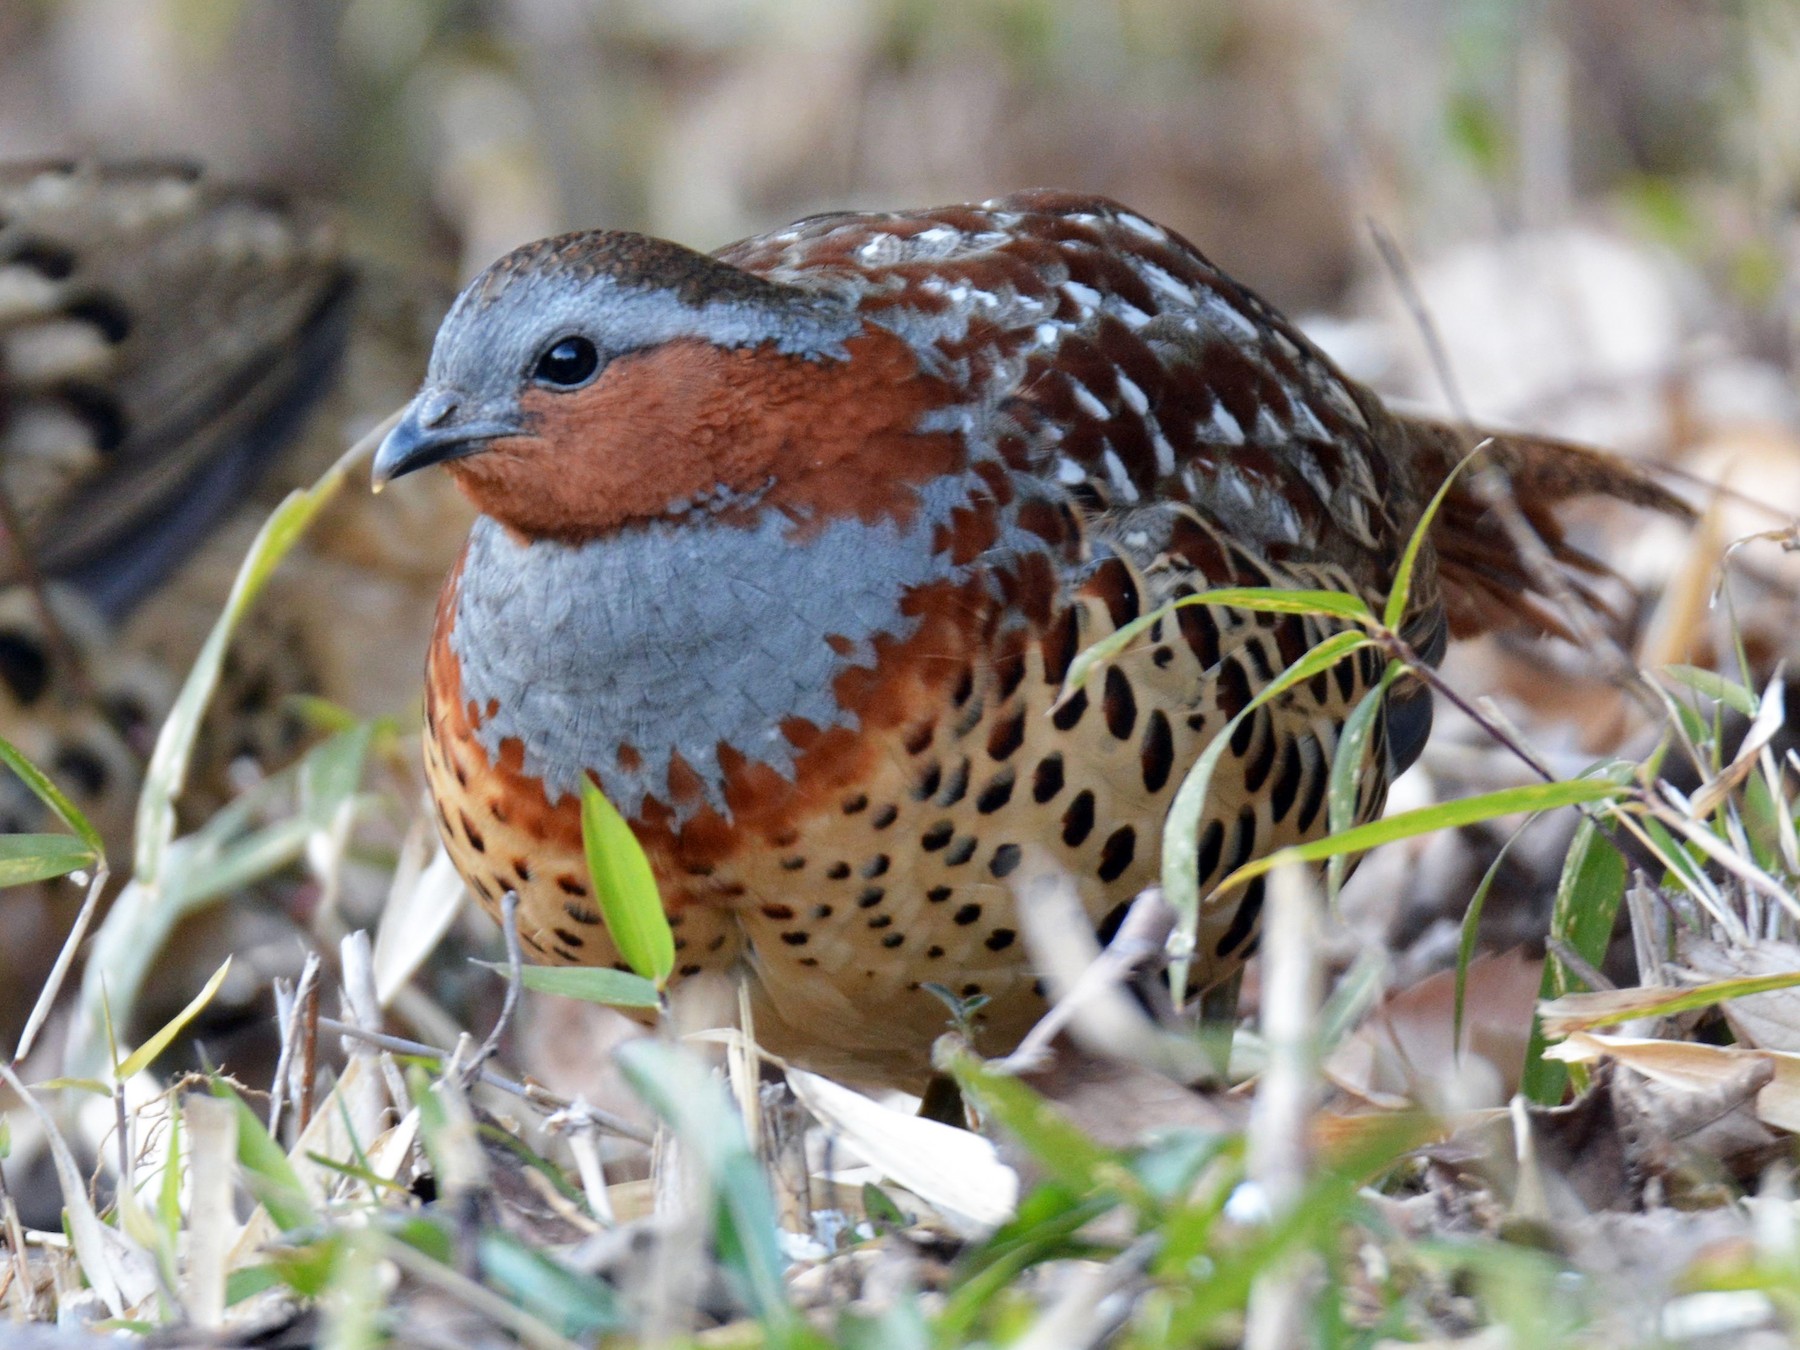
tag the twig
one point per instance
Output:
(15, 1242)
(290, 1035)
(46, 998)
(122, 1127)
(534, 1093)
(309, 1053)
(1399, 649)
(515, 961)
(579, 1124)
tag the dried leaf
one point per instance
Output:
(957, 1173)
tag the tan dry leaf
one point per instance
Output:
(1770, 717)
(1766, 1021)
(1611, 1007)
(424, 901)
(1402, 1053)
(1696, 1068)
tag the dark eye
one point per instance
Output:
(568, 363)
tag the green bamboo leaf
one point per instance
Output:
(1394, 612)
(1347, 764)
(1587, 901)
(145, 1055)
(591, 984)
(38, 857)
(1181, 831)
(267, 1171)
(51, 796)
(1610, 1007)
(1429, 819)
(332, 771)
(1713, 685)
(625, 888)
(1264, 599)
(93, 1085)
(168, 1196)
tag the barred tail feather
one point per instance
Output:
(1488, 584)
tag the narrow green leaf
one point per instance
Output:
(1610, 1007)
(1715, 686)
(1471, 929)
(1400, 595)
(93, 1085)
(1348, 761)
(38, 857)
(899, 1326)
(1263, 599)
(1587, 902)
(246, 1281)
(145, 1055)
(878, 1207)
(1181, 832)
(331, 773)
(1428, 819)
(267, 1171)
(625, 888)
(51, 796)
(591, 984)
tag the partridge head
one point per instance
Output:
(789, 548)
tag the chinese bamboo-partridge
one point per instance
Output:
(790, 547)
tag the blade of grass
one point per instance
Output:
(1610, 1007)
(1471, 929)
(1262, 599)
(267, 1171)
(1400, 594)
(51, 796)
(1347, 762)
(1715, 686)
(1587, 901)
(1181, 831)
(1427, 819)
(145, 1055)
(1066, 1154)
